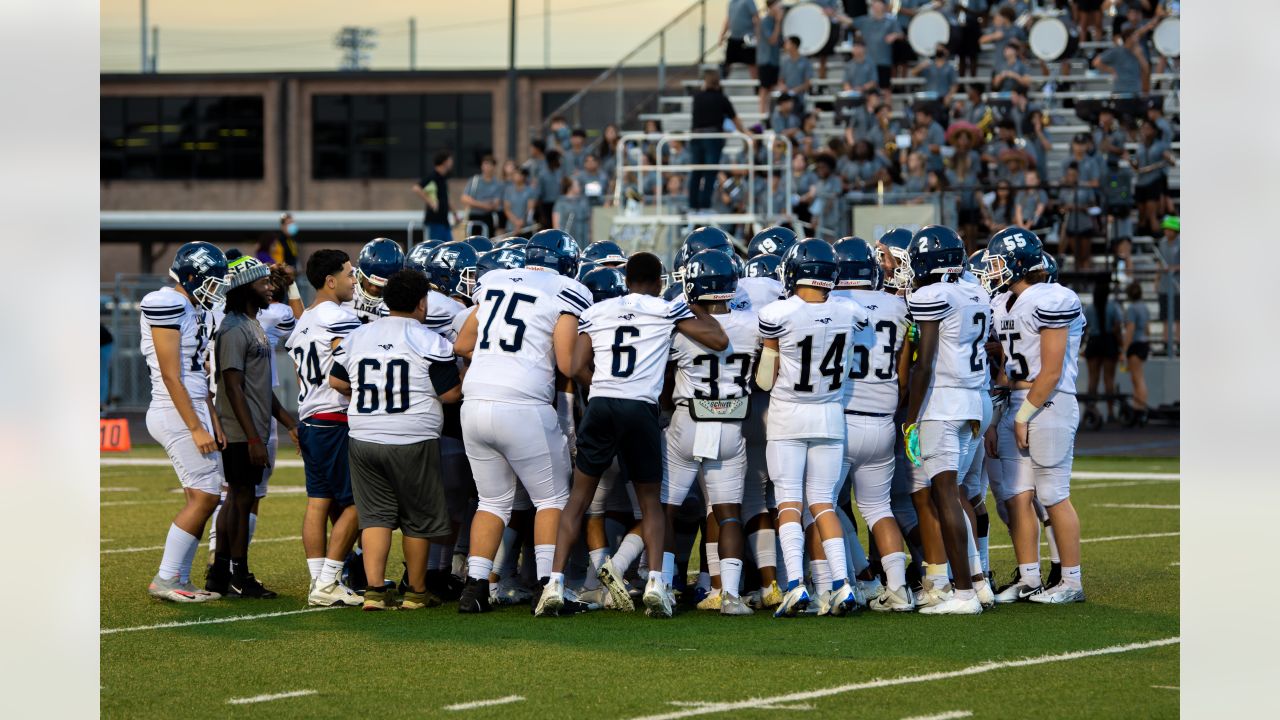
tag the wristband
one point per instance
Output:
(293, 292)
(1025, 412)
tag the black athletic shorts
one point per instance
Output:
(1150, 191)
(768, 76)
(736, 51)
(237, 471)
(884, 76)
(1102, 346)
(622, 428)
(1139, 349)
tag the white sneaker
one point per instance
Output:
(795, 600)
(842, 600)
(551, 600)
(733, 605)
(900, 600)
(174, 591)
(510, 592)
(1018, 592)
(932, 595)
(954, 606)
(712, 601)
(335, 593)
(591, 603)
(985, 596)
(864, 591)
(823, 606)
(657, 598)
(616, 587)
(596, 596)
(1059, 594)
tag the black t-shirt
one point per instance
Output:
(439, 216)
(710, 109)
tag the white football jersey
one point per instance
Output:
(813, 344)
(741, 299)
(441, 312)
(1040, 306)
(960, 366)
(873, 363)
(631, 340)
(311, 347)
(388, 363)
(759, 291)
(516, 315)
(366, 313)
(168, 308)
(704, 374)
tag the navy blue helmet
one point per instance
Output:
(895, 243)
(481, 243)
(673, 291)
(709, 276)
(584, 267)
(935, 250)
(1051, 267)
(201, 269)
(605, 252)
(703, 238)
(553, 250)
(859, 267)
(772, 241)
(810, 262)
(764, 266)
(452, 268)
(605, 283)
(503, 258)
(380, 258)
(1012, 253)
(421, 254)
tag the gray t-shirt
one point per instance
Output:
(1027, 201)
(1105, 326)
(1172, 254)
(1149, 155)
(1138, 314)
(939, 79)
(242, 345)
(485, 190)
(1007, 84)
(1116, 136)
(575, 217)
(780, 122)
(742, 14)
(1128, 70)
(766, 53)
(873, 34)
(858, 74)
(793, 73)
(549, 183)
(516, 199)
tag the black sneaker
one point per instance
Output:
(475, 597)
(444, 585)
(353, 570)
(249, 587)
(216, 578)
(1055, 575)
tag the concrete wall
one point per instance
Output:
(1162, 375)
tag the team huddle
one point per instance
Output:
(559, 427)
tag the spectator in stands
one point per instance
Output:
(962, 178)
(885, 132)
(1032, 202)
(1028, 122)
(804, 183)
(593, 181)
(974, 109)
(572, 212)
(558, 134)
(537, 159)
(1088, 17)
(573, 157)
(859, 72)
(1115, 189)
(519, 202)
(963, 139)
(878, 32)
(1109, 137)
(710, 110)
(651, 127)
(795, 73)
(1003, 210)
(863, 169)
(971, 16)
(1169, 260)
(1137, 321)
(1155, 116)
(1078, 226)
(434, 191)
(862, 119)
(825, 208)
(1104, 324)
(730, 197)
(1124, 61)
(740, 21)
(915, 181)
(944, 200)
(1003, 32)
(769, 50)
(677, 153)
(1150, 161)
(483, 199)
(1012, 72)
(834, 11)
(806, 139)
(921, 146)
(1089, 168)
(549, 187)
(607, 149)
(939, 75)
(1014, 163)
(285, 250)
(771, 197)
(935, 134)
(783, 120)
(675, 194)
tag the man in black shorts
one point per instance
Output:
(740, 21)
(621, 357)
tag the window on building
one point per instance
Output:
(394, 136)
(181, 137)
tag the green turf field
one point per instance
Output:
(1115, 656)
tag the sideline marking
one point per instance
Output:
(684, 703)
(166, 462)
(485, 703)
(1165, 687)
(273, 696)
(210, 621)
(1137, 506)
(161, 547)
(107, 488)
(1121, 475)
(953, 715)
(755, 703)
(1103, 539)
(115, 503)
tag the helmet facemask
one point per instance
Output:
(361, 299)
(901, 277)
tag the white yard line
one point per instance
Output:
(755, 703)
(1165, 687)
(210, 621)
(150, 548)
(165, 462)
(1113, 538)
(116, 503)
(485, 703)
(1096, 475)
(953, 715)
(802, 706)
(1075, 487)
(1137, 506)
(1175, 564)
(273, 696)
(106, 488)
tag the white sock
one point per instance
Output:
(791, 535)
(668, 568)
(597, 558)
(713, 559)
(820, 572)
(1071, 576)
(178, 547)
(895, 569)
(187, 560)
(985, 554)
(966, 594)
(330, 571)
(834, 550)
(1030, 574)
(213, 529)
(628, 550)
(478, 568)
(253, 525)
(764, 547)
(314, 565)
(731, 575)
(543, 555)
(554, 577)
(936, 575)
(975, 560)
(1053, 544)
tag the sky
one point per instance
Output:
(261, 35)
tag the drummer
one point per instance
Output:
(859, 72)
(879, 31)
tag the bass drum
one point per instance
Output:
(1051, 39)
(807, 22)
(1166, 37)
(928, 30)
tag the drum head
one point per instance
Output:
(1166, 37)
(807, 22)
(1048, 38)
(926, 31)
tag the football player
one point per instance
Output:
(524, 318)
(605, 253)
(705, 438)
(774, 240)
(621, 353)
(1040, 326)
(379, 259)
(175, 345)
(451, 270)
(807, 338)
(944, 410)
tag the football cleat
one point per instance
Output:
(444, 585)
(249, 587)
(335, 593)
(596, 596)
(1018, 592)
(411, 600)
(475, 597)
(574, 604)
(712, 601)
(842, 601)
(550, 599)
(616, 586)
(823, 606)
(900, 600)
(796, 600)
(1059, 594)
(931, 595)
(657, 598)
(772, 596)
(1055, 574)
(985, 596)
(175, 591)
(733, 605)
(381, 599)
(509, 592)
(864, 591)
(953, 605)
